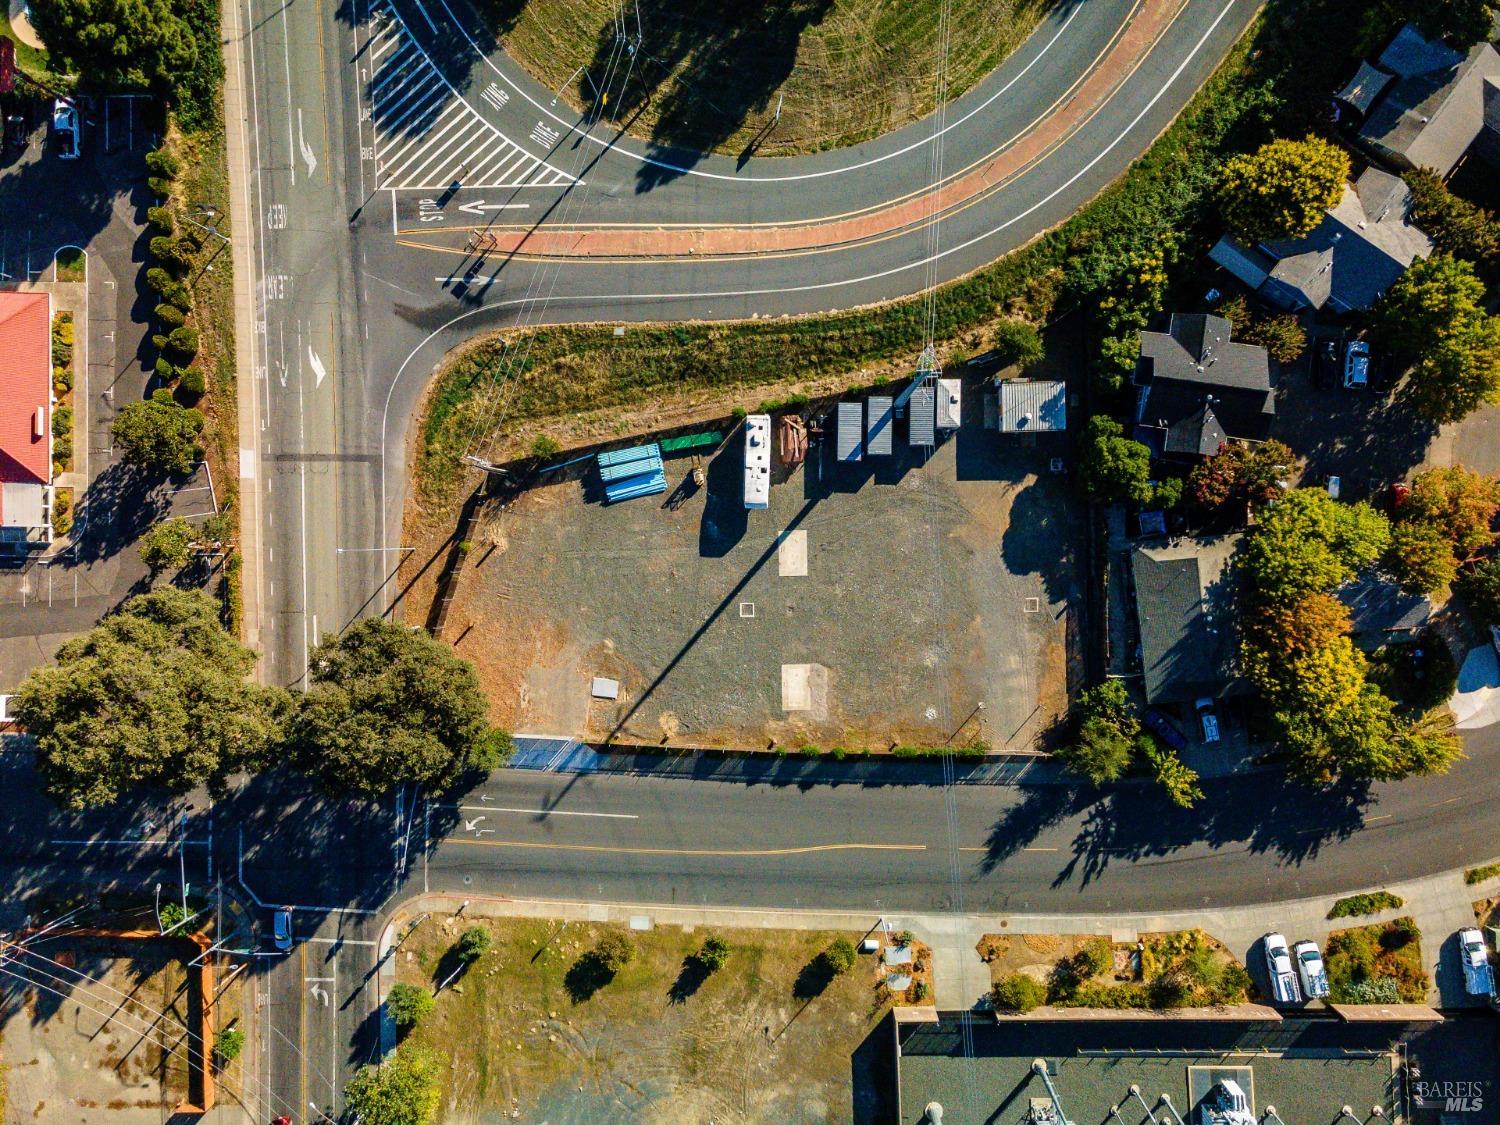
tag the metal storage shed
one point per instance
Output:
(880, 423)
(849, 442)
(923, 406)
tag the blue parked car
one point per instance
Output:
(1162, 727)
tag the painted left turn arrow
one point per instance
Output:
(479, 207)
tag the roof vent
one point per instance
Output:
(39, 423)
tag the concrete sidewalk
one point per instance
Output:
(1441, 905)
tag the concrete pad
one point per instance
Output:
(796, 690)
(605, 688)
(804, 687)
(791, 555)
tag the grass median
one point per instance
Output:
(709, 76)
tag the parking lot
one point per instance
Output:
(915, 599)
(96, 203)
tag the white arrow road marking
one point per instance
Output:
(320, 993)
(307, 152)
(319, 370)
(479, 207)
(472, 825)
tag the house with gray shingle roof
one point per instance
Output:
(1184, 591)
(1432, 108)
(1198, 388)
(1346, 262)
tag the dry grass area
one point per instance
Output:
(531, 1032)
(709, 75)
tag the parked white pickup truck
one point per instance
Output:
(1280, 970)
(1479, 978)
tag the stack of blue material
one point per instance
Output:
(628, 473)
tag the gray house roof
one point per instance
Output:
(1347, 261)
(1435, 109)
(1185, 606)
(1380, 610)
(1200, 387)
(1368, 83)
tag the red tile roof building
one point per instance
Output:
(25, 417)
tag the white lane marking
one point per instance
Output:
(613, 144)
(338, 941)
(540, 812)
(479, 207)
(307, 152)
(319, 371)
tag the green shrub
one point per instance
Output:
(1017, 343)
(184, 341)
(172, 915)
(919, 993)
(1399, 934)
(62, 421)
(159, 187)
(169, 316)
(713, 953)
(176, 293)
(473, 944)
(1480, 874)
(62, 450)
(166, 370)
(543, 447)
(161, 163)
(1379, 990)
(228, 1044)
(1017, 993)
(839, 956)
(493, 750)
(191, 386)
(903, 938)
(1172, 989)
(161, 218)
(159, 280)
(614, 951)
(1353, 906)
(408, 1005)
(1098, 956)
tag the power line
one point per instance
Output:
(145, 1034)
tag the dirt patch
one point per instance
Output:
(766, 1037)
(111, 1049)
(962, 557)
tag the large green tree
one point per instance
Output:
(1309, 542)
(1282, 189)
(159, 433)
(156, 694)
(143, 44)
(1113, 468)
(1421, 557)
(402, 1090)
(1104, 743)
(388, 705)
(1433, 318)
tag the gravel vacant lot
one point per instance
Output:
(933, 583)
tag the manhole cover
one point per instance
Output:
(468, 879)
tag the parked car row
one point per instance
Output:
(67, 129)
(1294, 972)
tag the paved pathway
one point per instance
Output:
(21, 26)
(1441, 905)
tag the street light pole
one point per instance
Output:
(182, 858)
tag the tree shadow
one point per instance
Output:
(814, 978)
(690, 979)
(703, 67)
(586, 976)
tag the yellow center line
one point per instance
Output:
(691, 851)
(1023, 849)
